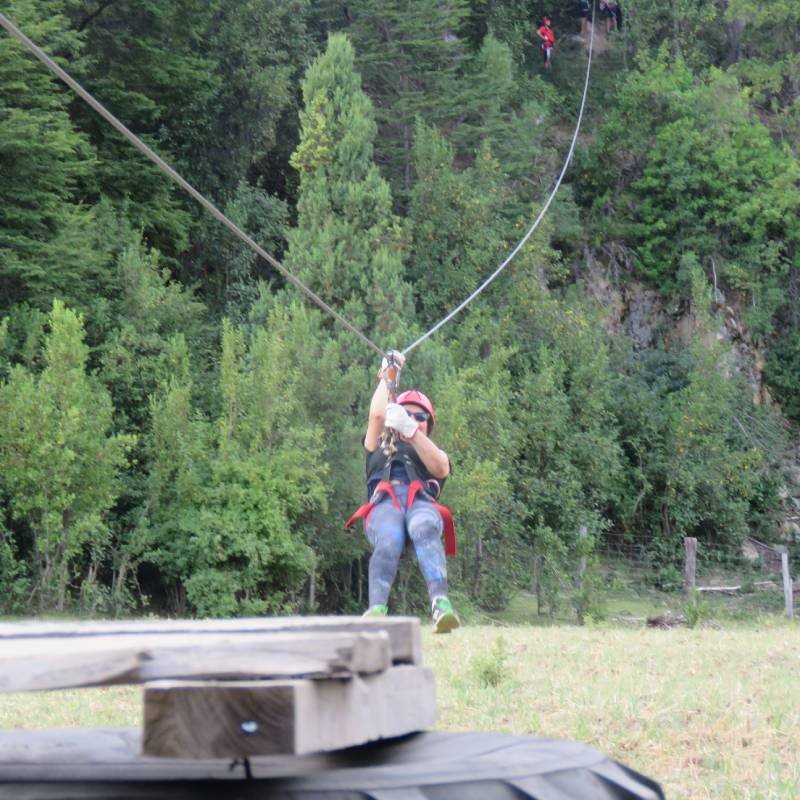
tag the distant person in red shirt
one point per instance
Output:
(545, 33)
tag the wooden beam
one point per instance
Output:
(722, 589)
(46, 663)
(233, 719)
(403, 632)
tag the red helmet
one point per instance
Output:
(416, 397)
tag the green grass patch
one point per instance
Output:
(112, 707)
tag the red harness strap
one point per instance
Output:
(363, 512)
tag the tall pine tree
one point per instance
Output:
(48, 244)
(411, 61)
(347, 244)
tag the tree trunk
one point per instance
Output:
(118, 578)
(665, 524)
(63, 580)
(733, 33)
(476, 580)
(538, 567)
(312, 589)
(676, 30)
(407, 154)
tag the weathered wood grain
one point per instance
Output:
(403, 632)
(46, 663)
(201, 720)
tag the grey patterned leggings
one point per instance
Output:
(389, 528)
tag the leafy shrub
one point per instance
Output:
(13, 578)
(591, 602)
(491, 668)
(667, 578)
(783, 372)
(697, 610)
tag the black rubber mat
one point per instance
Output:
(425, 766)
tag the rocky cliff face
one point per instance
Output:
(631, 309)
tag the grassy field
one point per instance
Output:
(707, 712)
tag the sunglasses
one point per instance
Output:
(420, 416)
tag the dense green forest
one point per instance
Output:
(180, 429)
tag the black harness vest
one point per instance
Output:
(379, 468)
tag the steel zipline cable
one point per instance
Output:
(184, 184)
(536, 222)
(240, 234)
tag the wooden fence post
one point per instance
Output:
(689, 565)
(787, 583)
(583, 532)
(538, 571)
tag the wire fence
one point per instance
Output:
(751, 577)
(714, 563)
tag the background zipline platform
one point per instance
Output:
(238, 688)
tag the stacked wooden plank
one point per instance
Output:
(239, 688)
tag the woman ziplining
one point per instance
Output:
(405, 473)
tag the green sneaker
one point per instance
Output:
(376, 611)
(444, 618)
